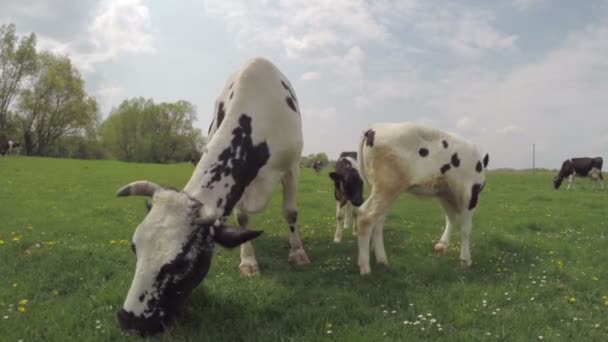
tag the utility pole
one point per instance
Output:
(533, 157)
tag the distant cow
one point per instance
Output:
(10, 147)
(581, 167)
(255, 142)
(318, 165)
(402, 157)
(348, 190)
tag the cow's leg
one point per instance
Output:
(369, 215)
(348, 215)
(465, 234)
(290, 212)
(570, 182)
(450, 220)
(601, 180)
(249, 265)
(353, 218)
(378, 241)
(339, 222)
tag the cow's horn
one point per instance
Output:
(139, 188)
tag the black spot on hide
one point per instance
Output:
(478, 167)
(455, 161)
(475, 190)
(230, 87)
(423, 152)
(445, 168)
(231, 95)
(486, 160)
(370, 135)
(444, 143)
(220, 114)
(241, 161)
(291, 93)
(290, 103)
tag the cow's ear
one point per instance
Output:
(231, 237)
(335, 176)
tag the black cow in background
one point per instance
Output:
(348, 190)
(580, 167)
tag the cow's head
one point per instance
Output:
(557, 182)
(348, 186)
(173, 246)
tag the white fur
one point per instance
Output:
(393, 166)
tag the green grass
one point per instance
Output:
(539, 264)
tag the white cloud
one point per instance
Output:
(523, 5)
(509, 130)
(117, 27)
(109, 97)
(311, 76)
(465, 32)
(323, 113)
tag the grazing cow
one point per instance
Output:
(10, 147)
(318, 165)
(348, 190)
(255, 142)
(581, 167)
(403, 157)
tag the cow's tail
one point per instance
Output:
(361, 158)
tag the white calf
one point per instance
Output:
(403, 157)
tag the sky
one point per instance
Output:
(504, 74)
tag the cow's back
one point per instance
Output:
(425, 153)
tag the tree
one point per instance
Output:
(17, 61)
(56, 104)
(141, 131)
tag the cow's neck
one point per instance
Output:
(230, 163)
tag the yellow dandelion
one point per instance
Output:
(23, 302)
(21, 309)
(1, 242)
(596, 278)
(572, 300)
(56, 293)
(551, 252)
(606, 302)
(560, 264)
(15, 285)
(51, 243)
(16, 239)
(112, 242)
(604, 297)
(329, 325)
(13, 233)
(30, 228)
(124, 242)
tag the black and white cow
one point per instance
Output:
(318, 165)
(255, 142)
(348, 190)
(10, 147)
(581, 167)
(402, 157)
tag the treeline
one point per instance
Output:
(44, 106)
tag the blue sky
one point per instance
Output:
(503, 74)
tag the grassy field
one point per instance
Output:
(539, 264)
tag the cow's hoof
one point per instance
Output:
(439, 249)
(299, 257)
(466, 263)
(365, 270)
(382, 259)
(250, 271)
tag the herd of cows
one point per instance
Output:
(254, 143)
